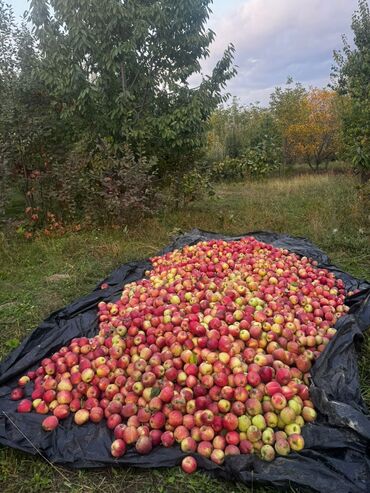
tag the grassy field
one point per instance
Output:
(42, 275)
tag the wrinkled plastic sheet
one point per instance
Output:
(336, 457)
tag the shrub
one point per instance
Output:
(262, 159)
(257, 161)
(230, 169)
(104, 184)
(186, 187)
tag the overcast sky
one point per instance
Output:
(274, 39)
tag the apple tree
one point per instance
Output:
(30, 128)
(287, 107)
(351, 76)
(121, 68)
(315, 137)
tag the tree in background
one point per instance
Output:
(7, 76)
(226, 135)
(298, 126)
(315, 137)
(288, 108)
(30, 128)
(351, 77)
(242, 139)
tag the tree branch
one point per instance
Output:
(123, 77)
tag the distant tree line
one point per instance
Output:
(298, 126)
(312, 126)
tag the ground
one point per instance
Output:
(39, 276)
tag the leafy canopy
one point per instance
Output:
(314, 138)
(351, 77)
(123, 68)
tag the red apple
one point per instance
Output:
(189, 465)
(50, 423)
(118, 448)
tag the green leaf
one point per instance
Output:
(193, 359)
(155, 392)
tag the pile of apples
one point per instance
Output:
(212, 350)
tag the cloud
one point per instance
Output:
(279, 38)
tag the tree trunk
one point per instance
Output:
(123, 78)
(177, 197)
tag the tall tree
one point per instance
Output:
(314, 138)
(351, 77)
(287, 106)
(123, 68)
(27, 120)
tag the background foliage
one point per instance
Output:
(351, 77)
(298, 126)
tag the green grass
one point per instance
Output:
(39, 276)
(20, 473)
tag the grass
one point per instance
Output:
(40, 276)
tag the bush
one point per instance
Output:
(257, 161)
(262, 159)
(196, 184)
(106, 184)
(186, 187)
(230, 169)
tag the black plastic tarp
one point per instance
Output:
(336, 457)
